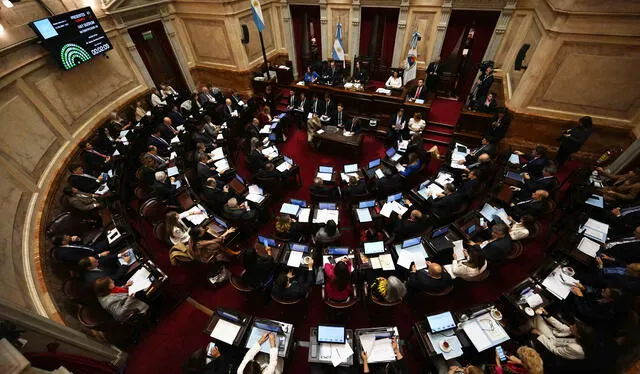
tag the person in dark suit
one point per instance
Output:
(316, 106)
(483, 166)
(625, 249)
(333, 73)
(70, 249)
(389, 183)
(359, 75)
(301, 109)
(328, 107)
(319, 189)
(499, 246)
(447, 202)
(470, 183)
(176, 117)
(486, 147)
(238, 103)
(93, 268)
(258, 270)
(533, 206)
(253, 130)
(214, 196)
(163, 146)
(167, 131)
(84, 182)
(595, 305)
(397, 127)
(205, 98)
(256, 160)
(161, 163)
(235, 211)
(430, 279)
(623, 220)
(410, 227)
(340, 119)
(535, 161)
(204, 170)
(484, 82)
(487, 104)
(418, 92)
(572, 140)
(290, 286)
(499, 126)
(147, 173)
(433, 72)
(269, 171)
(547, 181)
(356, 186)
(229, 113)
(96, 162)
(164, 189)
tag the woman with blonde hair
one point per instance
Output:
(526, 361)
(287, 227)
(313, 125)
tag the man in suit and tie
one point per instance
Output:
(622, 220)
(397, 127)
(161, 162)
(95, 161)
(70, 249)
(535, 161)
(328, 107)
(316, 105)
(547, 181)
(418, 92)
(203, 169)
(84, 182)
(205, 98)
(447, 202)
(167, 131)
(334, 73)
(81, 201)
(106, 266)
(534, 206)
(433, 72)
(163, 146)
(626, 249)
(200, 135)
(407, 228)
(499, 246)
(301, 109)
(237, 101)
(340, 118)
(319, 189)
(573, 139)
(214, 196)
(229, 113)
(485, 147)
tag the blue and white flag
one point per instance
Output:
(410, 68)
(256, 9)
(338, 51)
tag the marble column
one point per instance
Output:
(133, 51)
(327, 40)
(402, 26)
(354, 42)
(167, 22)
(498, 32)
(445, 14)
(290, 42)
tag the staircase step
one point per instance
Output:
(439, 130)
(437, 139)
(440, 124)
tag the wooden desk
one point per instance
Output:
(352, 143)
(314, 349)
(471, 126)
(237, 318)
(515, 299)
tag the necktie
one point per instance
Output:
(97, 153)
(340, 118)
(418, 91)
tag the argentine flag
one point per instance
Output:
(410, 67)
(257, 14)
(338, 51)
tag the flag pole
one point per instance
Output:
(264, 55)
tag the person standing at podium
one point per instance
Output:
(433, 72)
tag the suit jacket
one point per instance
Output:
(216, 197)
(235, 103)
(85, 183)
(498, 249)
(238, 213)
(108, 266)
(346, 121)
(578, 136)
(164, 148)
(82, 203)
(261, 272)
(534, 166)
(203, 99)
(392, 183)
(176, 118)
(147, 176)
(205, 172)
(257, 160)
(447, 205)
(74, 252)
(328, 109)
(164, 191)
(166, 132)
(94, 162)
(407, 228)
(359, 189)
(226, 112)
(626, 252)
(547, 183)
(121, 305)
(203, 137)
(482, 107)
(320, 190)
(423, 93)
(298, 289)
(485, 85)
(434, 69)
(421, 281)
(316, 106)
(530, 207)
(495, 133)
(394, 119)
(264, 174)
(489, 149)
(469, 187)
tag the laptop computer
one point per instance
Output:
(299, 247)
(366, 204)
(332, 334)
(330, 206)
(392, 154)
(300, 203)
(439, 240)
(514, 176)
(411, 242)
(267, 242)
(351, 168)
(441, 322)
(338, 251)
(325, 169)
(394, 197)
(372, 248)
(371, 167)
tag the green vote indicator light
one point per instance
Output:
(72, 55)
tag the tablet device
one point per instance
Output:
(411, 242)
(366, 204)
(441, 322)
(325, 169)
(338, 251)
(371, 248)
(351, 168)
(332, 334)
(374, 163)
(331, 206)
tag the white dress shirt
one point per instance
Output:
(394, 82)
(157, 101)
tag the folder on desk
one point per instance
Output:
(140, 280)
(291, 209)
(225, 331)
(217, 154)
(172, 171)
(364, 215)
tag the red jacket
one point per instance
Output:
(332, 292)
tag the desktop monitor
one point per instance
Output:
(300, 203)
(332, 334)
(239, 178)
(371, 248)
(299, 247)
(439, 232)
(288, 160)
(228, 316)
(366, 204)
(338, 251)
(268, 327)
(220, 222)
(373, 164)
(330, 206)
(351, 168)
(390, 152)
(394, 197)
(411, 242)
(441, 322)
(471, 229)
(267, 242)
(325, 169)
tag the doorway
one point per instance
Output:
(307, 36)
(157, 54)
(377, 39)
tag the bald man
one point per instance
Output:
(229, 111)
(319, 189)
(533, 206)
(431, 279)
(167, 130)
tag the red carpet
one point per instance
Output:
(165, 347)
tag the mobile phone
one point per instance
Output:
(501, 354)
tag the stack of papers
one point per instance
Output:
(217, 154)
(383, 91)
(295, 259)
(270, 152)
(393, 206)
(339, 353)
(195, 215)
(325, 215)
(284, 166)
(484, 332)
(222, 165)
(405, 258)
(225, 331)
(559, 284)
(378, 350)
(303, 215)
(588, 247)
(140, 280)
(386, 210)
(431, 191)
(595, 230)
(255, 198)
(443, 178)
(386, 262)
(266, 129)
(363, 215)
(402, 145)
(379, 174)
(458, 249)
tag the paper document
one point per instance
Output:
(217, 154)
(113, 235)
(364, 215)
(399, 208)
(443, 178)
(419, 101)
(255, 198)
(140, 280)
(402, 145)
(345, 177)
(220, 137)
(283, 167)
(588, 247)
(103, 189)
(175, 140)
(405, 259)
(379, 174)
(266, 129)
(534, 300)
(458, 250)
(116, 153)
(173, 155)
(375, 263)
(254, 189)
(295, 259)
(291, 209)
(475, 333)
(514, 159)
(303, 215)
(449, 269)
(386, 261)
(386, 210)
(400, 168)
(325, 176)
(595, 200)
(222, 165)
(378, 350)
(172, 171)
(321, 131)
(195, 215)
(555, 284)
(431, 191)
(225, 331)
(340, 353)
